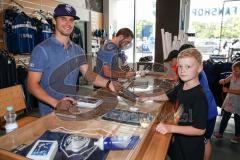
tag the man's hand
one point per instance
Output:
(130, 74)
(69, 99)
(115, 86)
(64, 105)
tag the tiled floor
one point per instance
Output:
(224, 149)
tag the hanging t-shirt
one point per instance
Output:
(10, 37)
(24, 33)
(76, 36)
(44, 30)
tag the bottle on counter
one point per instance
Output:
(10, 117)
(117, 142)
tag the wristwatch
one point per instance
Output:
(108, 83)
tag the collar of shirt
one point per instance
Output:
(110, 46)
(54, 39)
(175, 69)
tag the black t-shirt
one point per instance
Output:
(195, 114)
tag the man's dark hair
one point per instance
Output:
(126, 32)
(185, 46)
(236, 64)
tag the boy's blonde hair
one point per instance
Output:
(191, 52)
(236, 65)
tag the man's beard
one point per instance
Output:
(120, 44)
(64, 33)
(124, 47)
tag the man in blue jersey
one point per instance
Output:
(55, 64)
(111, 59)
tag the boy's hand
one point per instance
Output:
(141, 73)
(163, 128)
(222, 82)
(142, 97)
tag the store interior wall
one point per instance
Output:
(167, 17)
(184, 15)
(109, 17)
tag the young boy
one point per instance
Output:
(188, 140)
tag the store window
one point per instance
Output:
(142, 20)
(217, 26)
(145, 28)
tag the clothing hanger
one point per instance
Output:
(36, 15)
(16, 6)
(49, 15)
(39, 15)
(16, 3)
(22, 62)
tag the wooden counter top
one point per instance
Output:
(152, 145)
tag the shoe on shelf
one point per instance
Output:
(218, 135)
(235, 139)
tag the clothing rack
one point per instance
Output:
(28, 6)
(39, 13)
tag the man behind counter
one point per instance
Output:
(111, 59)
(55, 64)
